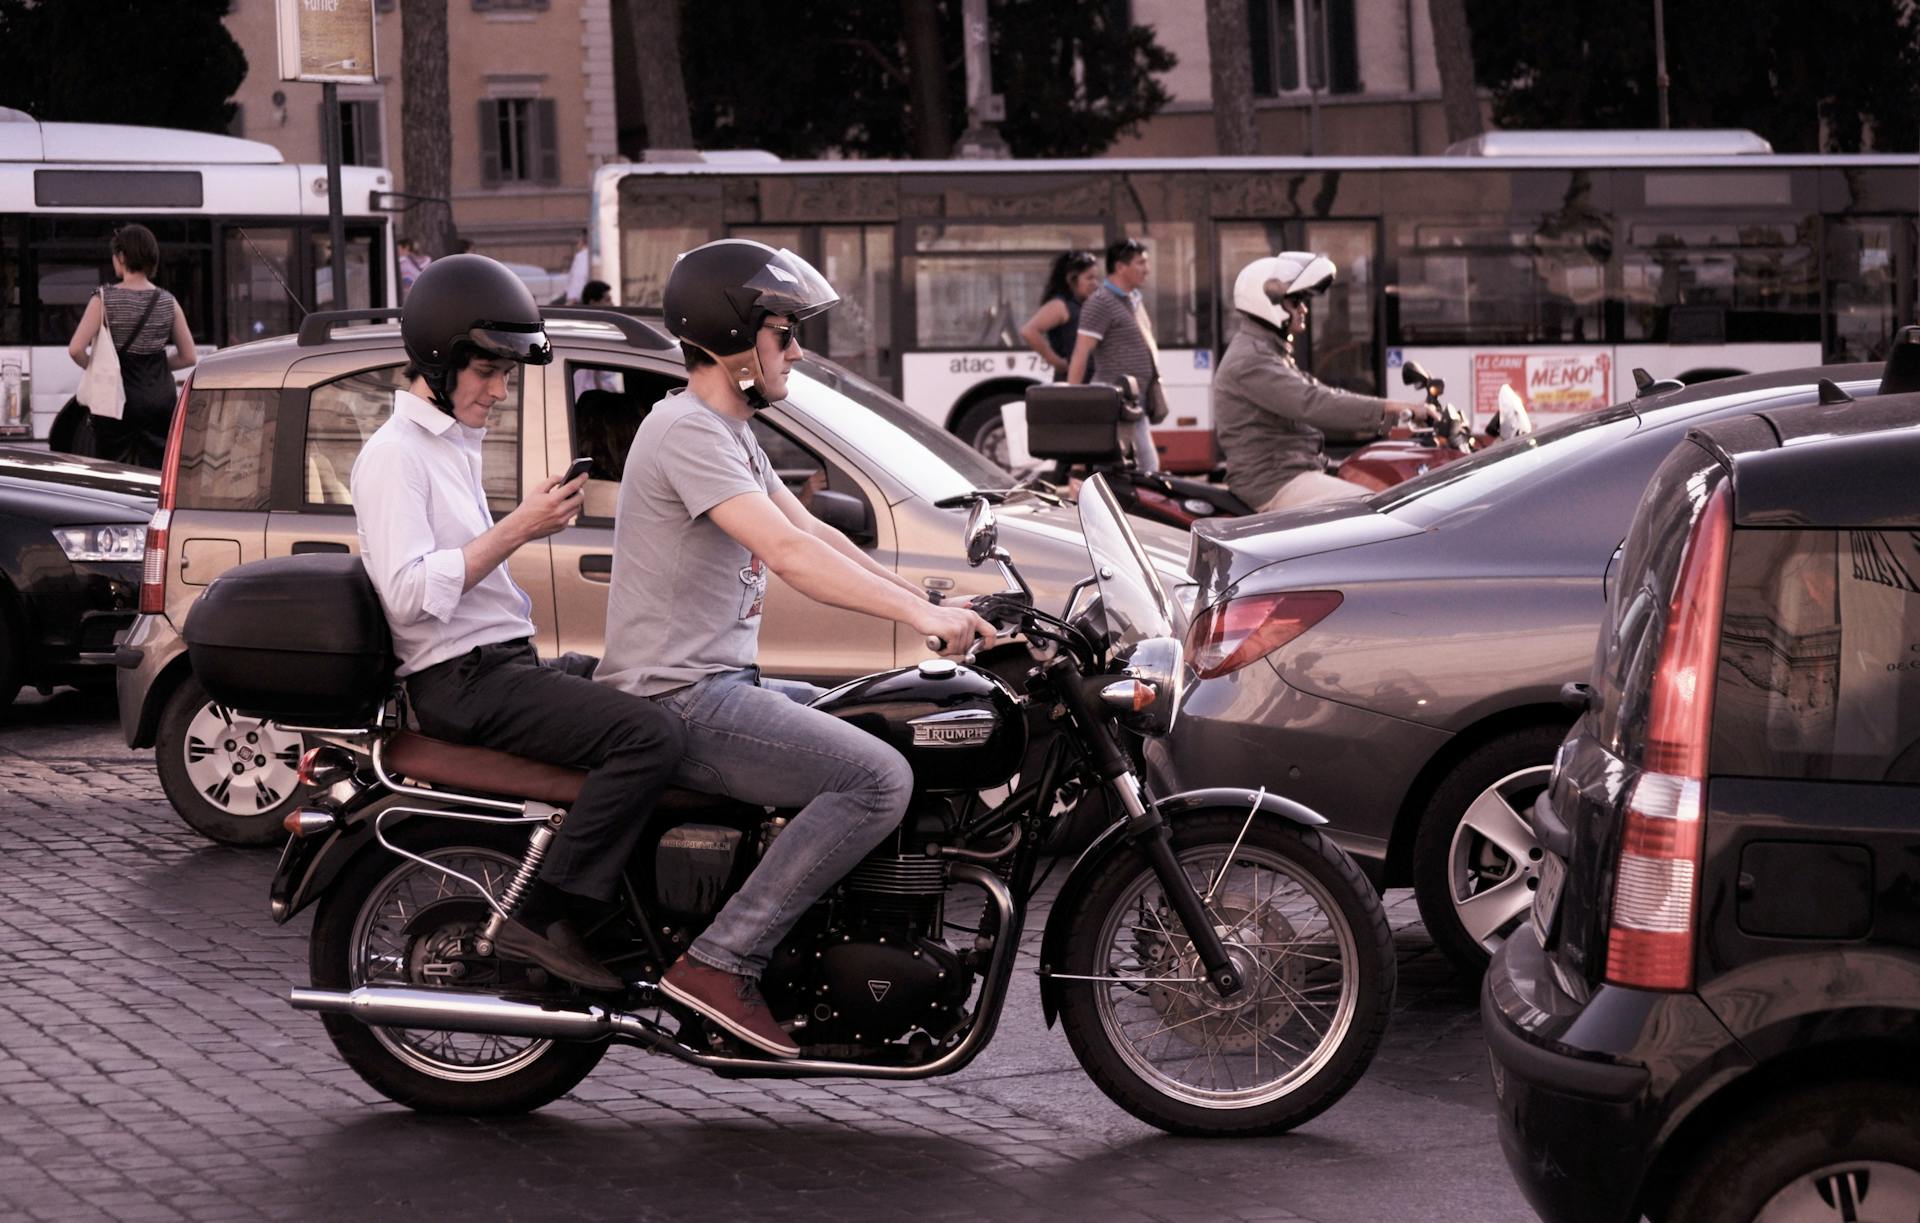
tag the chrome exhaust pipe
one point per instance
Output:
(397, 1006)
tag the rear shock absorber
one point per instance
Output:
(522, 879)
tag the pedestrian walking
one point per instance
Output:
(1115, 341)
(1052, 328)
(138, 319)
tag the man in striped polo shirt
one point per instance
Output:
(1116, 340)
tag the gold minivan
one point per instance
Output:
(258, 466)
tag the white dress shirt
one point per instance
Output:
(417, 500)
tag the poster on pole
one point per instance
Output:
(329, 41)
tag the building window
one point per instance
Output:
(518, 143)
(509, 6)
(359, 131)
(1292, 51)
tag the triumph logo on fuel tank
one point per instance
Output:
(961, 728)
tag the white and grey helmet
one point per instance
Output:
(1265, 284)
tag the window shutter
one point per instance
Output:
(549, 152)
(489, 142)
(1343, 47)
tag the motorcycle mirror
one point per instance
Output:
(1411, 374)
(982, 535)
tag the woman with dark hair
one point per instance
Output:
(1050, 331)
(138, 318)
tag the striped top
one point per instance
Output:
(1114, 321)
(124, 307)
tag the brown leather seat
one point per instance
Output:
(481, 770)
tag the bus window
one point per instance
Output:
(1341, 338)
(1173, 285)
(13, 322)
(857, 260)
(975, 283)
(646, 256)
(1468, 283)
(1863, 288)
(259, 282)
(1719, 283)
(359, 270)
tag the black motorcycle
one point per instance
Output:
(1220, 966)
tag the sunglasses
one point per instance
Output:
(787, 333)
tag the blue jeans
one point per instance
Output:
(754, 741)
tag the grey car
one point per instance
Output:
(267, 442)
(1396, 663)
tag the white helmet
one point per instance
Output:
(1265, 283)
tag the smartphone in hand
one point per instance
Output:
(579, 467)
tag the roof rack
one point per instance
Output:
(318, 328)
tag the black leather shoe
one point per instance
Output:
(561, 951)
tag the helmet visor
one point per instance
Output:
(790, 286)
(526, 347)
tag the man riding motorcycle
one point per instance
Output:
(702, 517)
(1270, 415)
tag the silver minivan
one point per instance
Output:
(259, 462)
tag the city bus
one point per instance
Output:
(1556, 264)
(243, 235)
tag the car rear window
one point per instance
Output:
(1629, 644)
(226, 450)
(1819, 673)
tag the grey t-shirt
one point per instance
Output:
(686, 599)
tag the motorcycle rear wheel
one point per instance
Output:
(1312, 942)
(381, 922)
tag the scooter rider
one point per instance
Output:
(1270, 415)
(702, 518)
(460, 625)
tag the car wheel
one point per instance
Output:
(232, 778)
(984, 429)
(1475, 858)
(1838, 1151)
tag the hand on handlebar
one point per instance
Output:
(953, 629)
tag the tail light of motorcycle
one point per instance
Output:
(153, 569)
(1650, 933)
(1233, 633)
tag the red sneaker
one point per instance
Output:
(732, 1002)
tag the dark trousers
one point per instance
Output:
(500, 696)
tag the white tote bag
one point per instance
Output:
(100, 386)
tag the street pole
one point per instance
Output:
(1660, 58)
(336, 220)
(985, 108)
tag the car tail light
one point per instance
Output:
(1231, 634)
(153, 570)
(1651, 932)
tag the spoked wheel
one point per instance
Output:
(392, 921)
(1314, 955)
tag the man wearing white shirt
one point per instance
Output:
(462, 629)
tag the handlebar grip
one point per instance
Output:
(937, 644)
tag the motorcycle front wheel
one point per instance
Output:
(391, 921)
(1315, 957)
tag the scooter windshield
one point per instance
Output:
(1134, 601)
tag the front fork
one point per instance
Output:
(1147, 829)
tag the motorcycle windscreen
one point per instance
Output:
(1132, 597)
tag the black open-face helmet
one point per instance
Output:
(719, 294)
(474, 302)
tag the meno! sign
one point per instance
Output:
(1551, 384)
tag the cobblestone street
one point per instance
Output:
(151, 1069)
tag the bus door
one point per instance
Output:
(857, 260)
(1869, 285)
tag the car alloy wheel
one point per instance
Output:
(1494, 860)
(229, 776)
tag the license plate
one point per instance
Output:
(1546, 897)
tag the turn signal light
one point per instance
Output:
(308, 821)
(1129, 695)
(1230, 635)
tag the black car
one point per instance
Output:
(1713, 1012)
(72, 539)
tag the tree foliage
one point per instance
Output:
(158, 63)
(811, 77)
(1784, 68)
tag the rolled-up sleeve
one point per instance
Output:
(416, 579)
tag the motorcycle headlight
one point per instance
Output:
(1159, 664)
(116, 542)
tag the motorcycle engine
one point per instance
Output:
(869, 967)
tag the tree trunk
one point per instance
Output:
(1453, 50)
(426, 128)
(927, 81)
(1230, 54)
(663, 88)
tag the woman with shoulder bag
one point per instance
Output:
(140, 318)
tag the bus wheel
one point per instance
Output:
(982, 427)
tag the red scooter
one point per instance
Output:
(1092, 426)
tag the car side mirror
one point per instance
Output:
(849, 515)
(982, 535)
